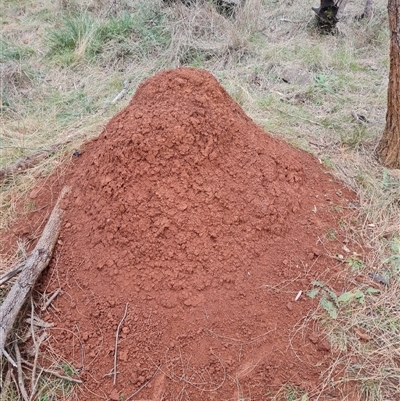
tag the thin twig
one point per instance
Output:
(12, 273)
(37, 322)
(9, 359)
(21, 384)
(51, 299)
(289, 20)
(54, 373)
(145, 384)
(82, 346)
(5, 386)
(301, 118)
(35, 343)
(116, 343)
(35, 393)
(15, 383)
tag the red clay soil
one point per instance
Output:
(204, 229)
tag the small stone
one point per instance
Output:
(324, 346)
(114, 396)
(124, 356)
(313, 338)
(289, 306)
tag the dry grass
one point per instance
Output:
(55, 87)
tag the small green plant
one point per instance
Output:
(370, 390)
(323, 82)
(76, 38)
(68, 369)
(327, 162)
(81, 36)
(355, 138)
(294, 393)
(10, 51)
(388, 181)
(354, 262)
(331, 234)
(331, 302)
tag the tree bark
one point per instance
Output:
(389, 146)
(34, 265)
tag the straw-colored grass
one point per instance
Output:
(63, 62)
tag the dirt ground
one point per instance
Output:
(189, 234)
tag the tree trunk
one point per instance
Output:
(389, 146)
(328, 14)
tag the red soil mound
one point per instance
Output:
(206, 228)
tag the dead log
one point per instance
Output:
(36, 262)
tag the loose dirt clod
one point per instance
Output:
(208, 228)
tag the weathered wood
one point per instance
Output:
(27, 162)
(13, 272)
(328, 13)
(33, 266)
(389, 146)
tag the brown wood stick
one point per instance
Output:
(34, 265)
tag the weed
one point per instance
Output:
(327, 162)
(10, 51)
(68, 369)
(356, 137)
(291, 393)
(80, 36)
(77, 37)
(355, 263)
(331, 234)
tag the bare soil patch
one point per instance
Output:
(205, 228)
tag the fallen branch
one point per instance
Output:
(120, 95)
(12, 273)
(34, 265)
(28, 162)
